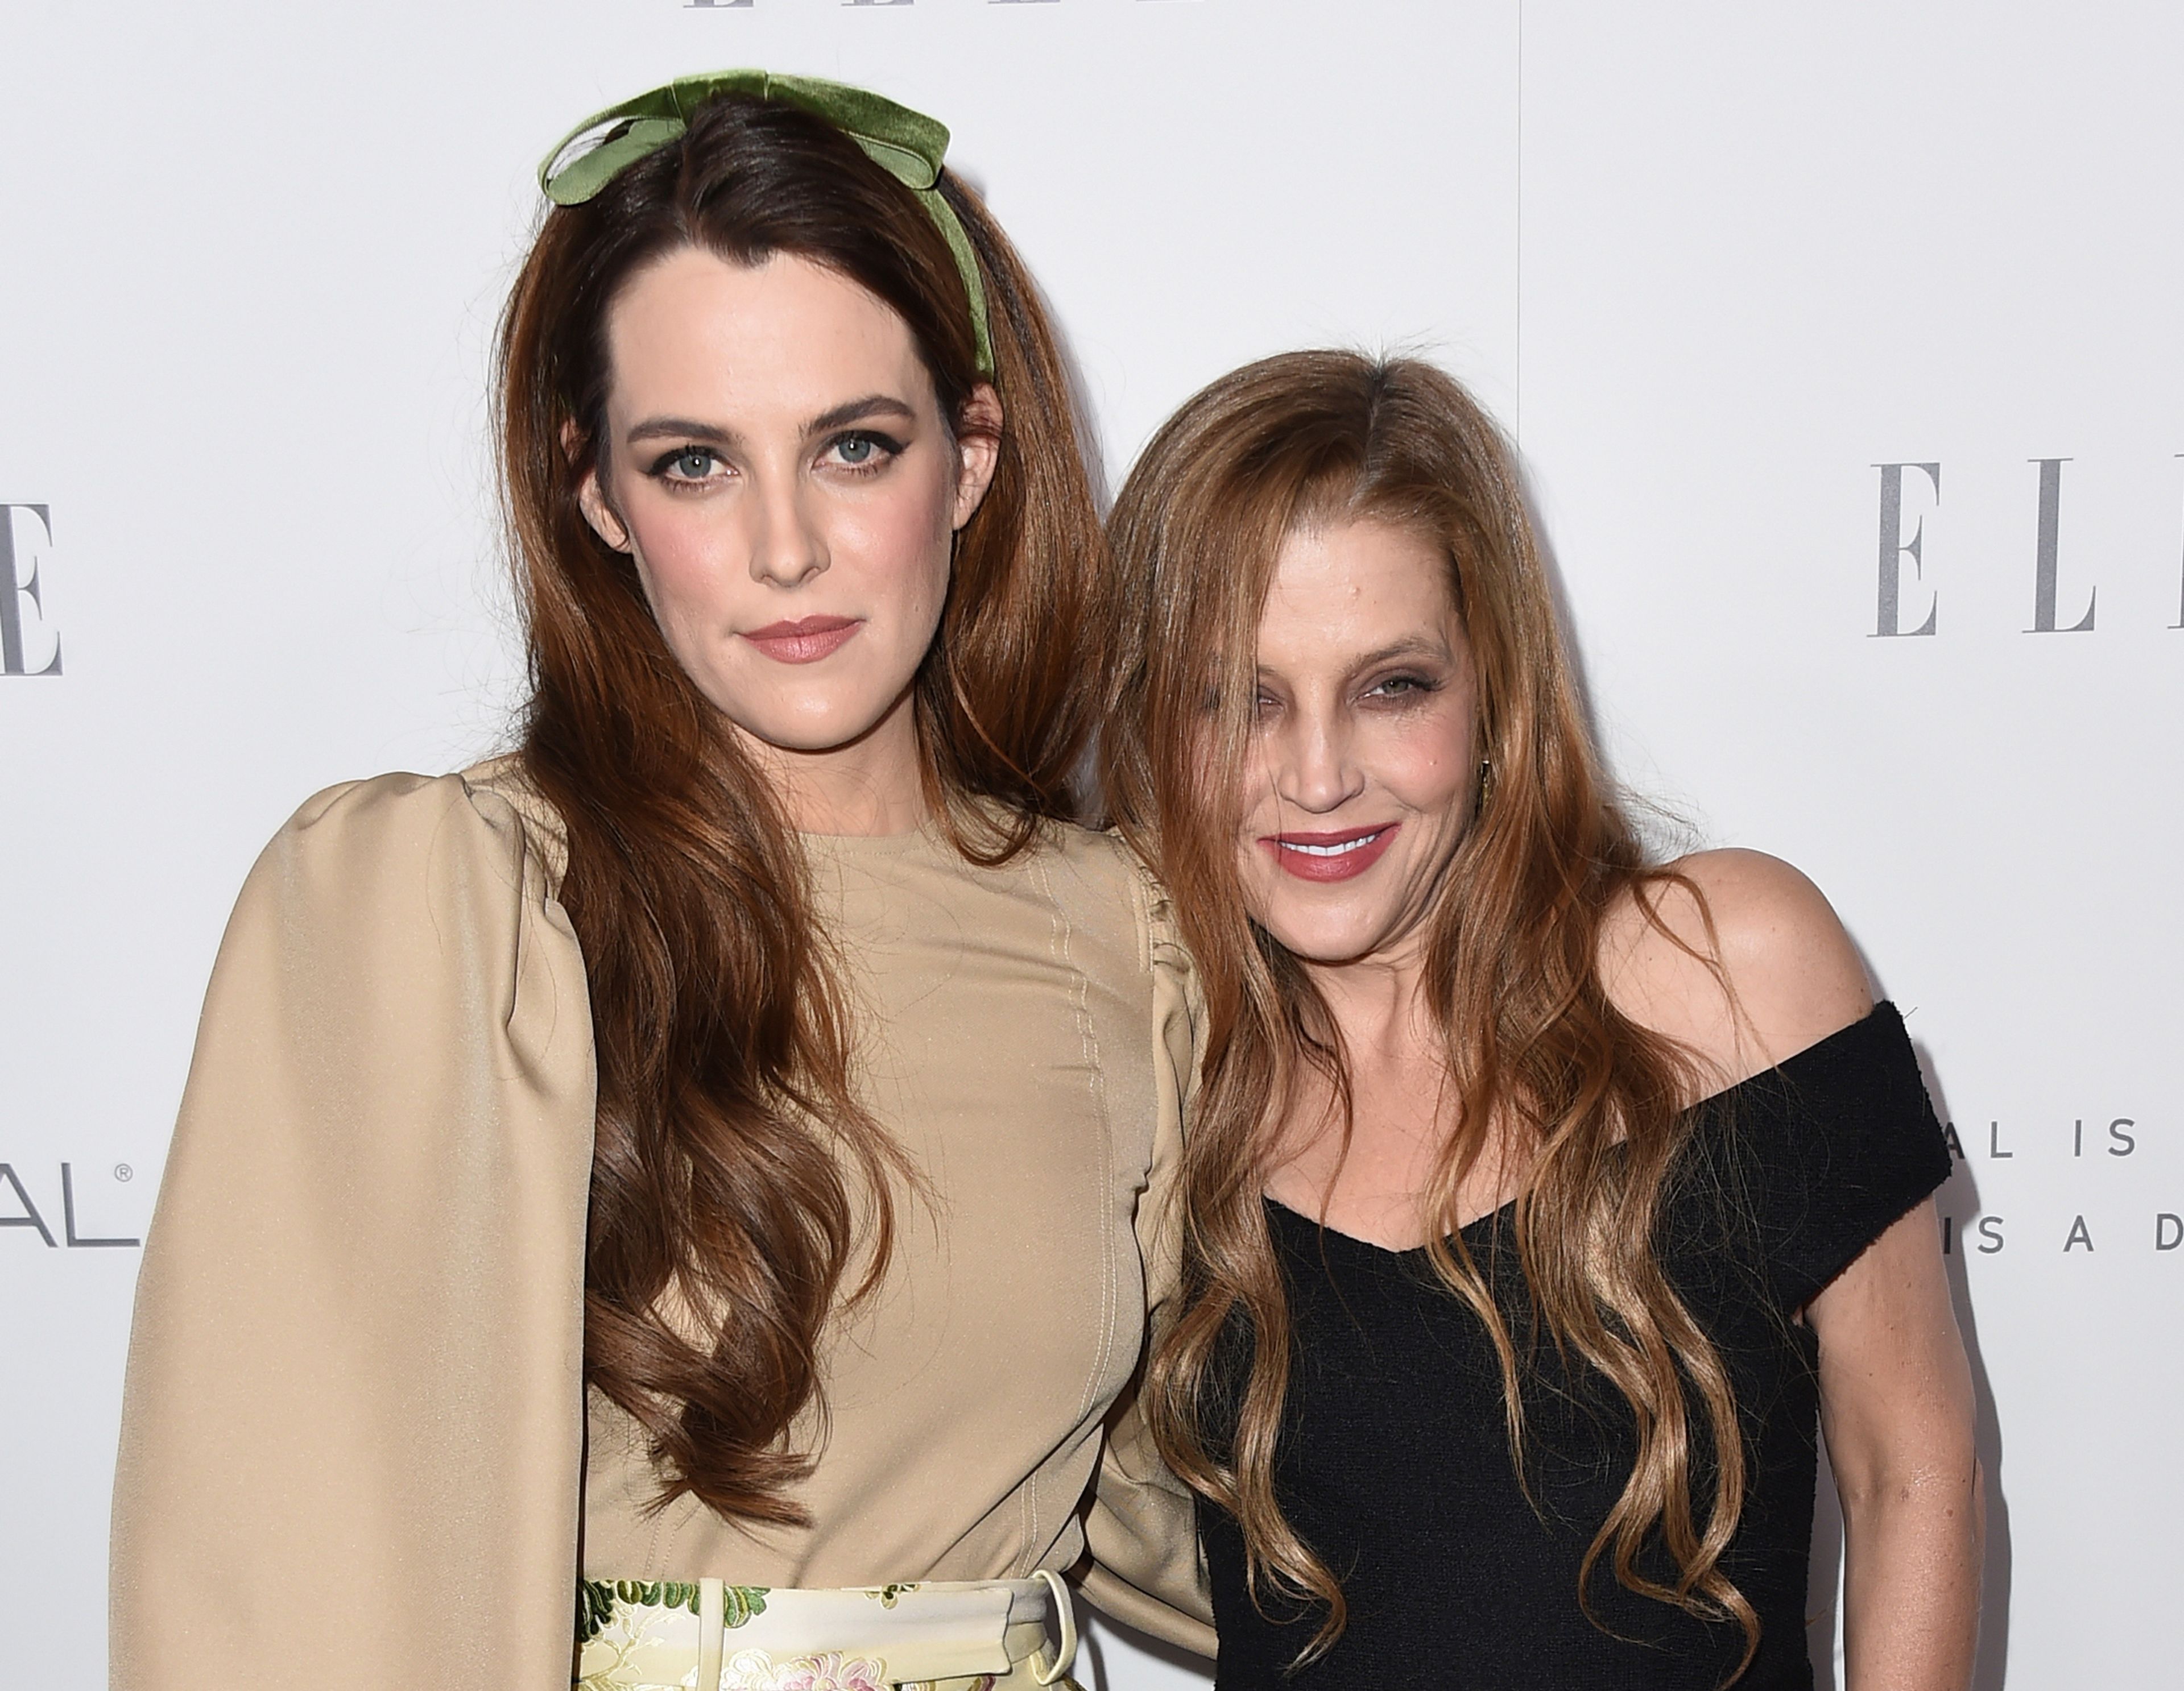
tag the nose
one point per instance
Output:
(1312, 767)
(787, 547)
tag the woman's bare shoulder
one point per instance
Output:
(1735, 955)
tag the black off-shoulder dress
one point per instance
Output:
(1394, 1465)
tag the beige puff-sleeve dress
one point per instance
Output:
(356, 1449)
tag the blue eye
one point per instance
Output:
(688, 463)
(866, 451)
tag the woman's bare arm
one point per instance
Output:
(1896, 1406)
(1895, 1386)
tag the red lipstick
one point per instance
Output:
(1331, 857)
(805, 641)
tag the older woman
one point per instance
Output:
(1544, 1202)
(686, 1176)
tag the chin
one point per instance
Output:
(1326, 943)
(802, 722)
(803, 734)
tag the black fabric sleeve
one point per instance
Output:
(1841, 1142)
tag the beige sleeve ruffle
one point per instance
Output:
(1141, 1531)
(352, 1439)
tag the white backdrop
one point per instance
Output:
(1717, 267)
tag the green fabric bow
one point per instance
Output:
(907, 144)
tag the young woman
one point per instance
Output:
(1543, 1202)
(704, 1152)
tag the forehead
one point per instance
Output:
(1343, 589)
(694, 334)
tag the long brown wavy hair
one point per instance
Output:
(740, 1191)
(1549, 1075)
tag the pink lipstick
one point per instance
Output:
(805, 641)
(1331, 857)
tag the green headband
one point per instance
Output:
(907, 144)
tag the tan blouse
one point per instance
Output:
(356, 1451)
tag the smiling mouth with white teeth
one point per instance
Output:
(1331, 850)
(1330, 856)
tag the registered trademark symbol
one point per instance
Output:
(122, 1171)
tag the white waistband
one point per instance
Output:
(642, 1634)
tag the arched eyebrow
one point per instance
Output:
(680, 429)
(871, 406)
(1415, 646)
(1410, 645)
(868, 408)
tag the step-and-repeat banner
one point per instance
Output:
(1844, 349)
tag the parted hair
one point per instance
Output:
(740, 1191)
(1544, 1070)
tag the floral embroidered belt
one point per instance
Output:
(978, 1635)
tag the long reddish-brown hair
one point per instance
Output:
(740, 1191)
(1547, 1073)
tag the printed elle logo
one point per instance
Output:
(29, 645)
(1904, 556)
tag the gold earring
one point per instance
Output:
(1485, 783)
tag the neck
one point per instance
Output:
(873, 785)
(1378, 1004)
